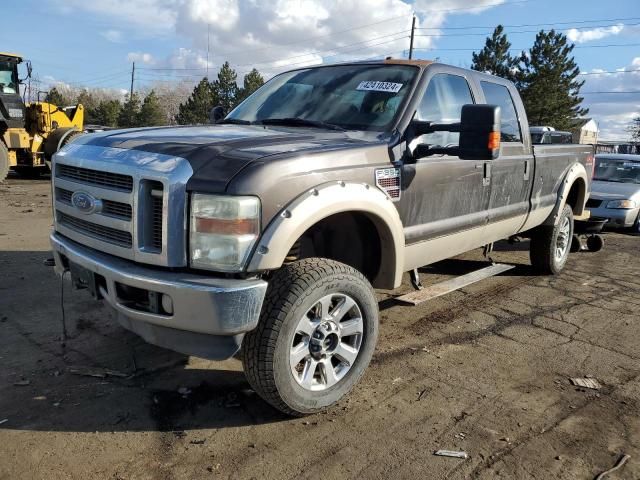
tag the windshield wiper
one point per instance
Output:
(300, 122)
(235, 121)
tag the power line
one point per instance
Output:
(610, 71)
(520, 49)
(535, 24)
(520, 31)
(611, 92)
(369, 25)
(403, 34)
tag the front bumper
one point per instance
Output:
(209, 315)
(617, 217)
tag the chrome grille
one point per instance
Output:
(156, 220)
(109, 207)
(116, 209)
(64, 195)
(137, 216)
(99, 232)
(114, 181)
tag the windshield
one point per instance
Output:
(623, 171)
(353, 97)
(8, 78)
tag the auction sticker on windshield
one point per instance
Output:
(375, 86)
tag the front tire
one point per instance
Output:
(550, 246)
(316, 336)
(4, 161)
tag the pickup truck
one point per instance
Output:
(268, 231)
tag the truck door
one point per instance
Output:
(512, 172)
(443, 194)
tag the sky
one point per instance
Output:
(94, 43)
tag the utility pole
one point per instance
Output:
(208, 36)
(413, 29)
(133, 72)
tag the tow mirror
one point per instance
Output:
(216, 114)
(479, 129)
(479, 132)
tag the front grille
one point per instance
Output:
(109, 207)
(133, 214)
(152, 195)
(593, 203)
(63, 195)
(99, 232)
(156, 221)
(114, 181)
(116, 209)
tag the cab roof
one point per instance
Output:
(11, 55)
(400, 61)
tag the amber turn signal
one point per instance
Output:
(221, 226)
(494, 140)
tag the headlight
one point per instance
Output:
(223, 230)
(622, 204)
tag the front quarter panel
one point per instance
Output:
(319, 203)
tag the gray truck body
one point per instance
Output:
(358, 197)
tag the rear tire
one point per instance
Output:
(4, 161)
(316, 336)
(550, 246)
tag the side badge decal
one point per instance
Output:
(388, 180)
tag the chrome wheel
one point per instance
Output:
(326, 342)
(564, 239)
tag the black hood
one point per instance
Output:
(218, 152)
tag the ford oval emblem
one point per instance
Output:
(85, 202)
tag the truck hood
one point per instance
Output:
(615, 191)
(218, 152)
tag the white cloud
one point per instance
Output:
(613, 111)
(141, 57)
(114, 36)
(154, 16)
(275, 35)
(581, 36)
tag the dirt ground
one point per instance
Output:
(485, 370)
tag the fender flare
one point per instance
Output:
(323, 201)
(576, 173)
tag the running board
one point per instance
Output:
(442, 288)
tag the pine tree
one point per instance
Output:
(151, 113)
(197, 107)
(128, 116)
(55, 97)
(550, 89)
(252, 81)
(634, 130)
(495, 58)
(226, 87)
(107, 113)
(90, 103)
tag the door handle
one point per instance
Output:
(527, 169)
(486, 176)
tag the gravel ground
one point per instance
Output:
(485, 370)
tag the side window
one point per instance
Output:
(442, 103)
(499, 95)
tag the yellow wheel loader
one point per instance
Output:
(30, 133)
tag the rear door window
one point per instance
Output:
(442, 103)
(497, 94)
